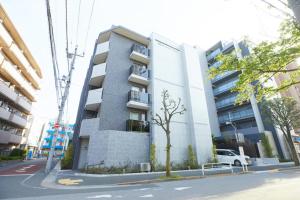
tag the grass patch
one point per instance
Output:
(172, 177)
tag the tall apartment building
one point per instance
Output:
(123, 86)
(293, 91)
(19, 79)
(246, 117)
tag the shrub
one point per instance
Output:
(67, 161)
(192, 161)
(152, 157)
(11, 157)
(18, 152)
(266, 145)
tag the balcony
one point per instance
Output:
(18, 120)
(24, 103)
(88, 126)
(12, 73)
(7, 137)
(224, 88)
(216, 64)
(13, 96)
(140, 53)
(5, 38)
(94, 99)
(138, 126)
(29, 72)
(98, 74)
(101, 53)
(236, 116)
(213, 54)
(138, 100)
(8, 92)
(4, 113)
(139, 74)
(222, 76)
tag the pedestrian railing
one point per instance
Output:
(216, 166)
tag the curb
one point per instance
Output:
(50, 182)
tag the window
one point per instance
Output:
(137, 116)
(221, 153)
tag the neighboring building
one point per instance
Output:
(293, 91)
(123, 86)
(65, 134)
(246, 117)
(19, 79)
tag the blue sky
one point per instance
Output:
(196, 22)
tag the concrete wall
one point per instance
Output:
(118, 148)
(176, 69)
(210, 100)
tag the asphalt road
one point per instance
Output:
(258, 185)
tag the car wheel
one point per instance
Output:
(237, 163)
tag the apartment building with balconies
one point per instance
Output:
(247, 117)
(123, 86)
(19, 79)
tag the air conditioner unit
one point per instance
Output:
(145, 167)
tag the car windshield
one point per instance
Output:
(235, 152)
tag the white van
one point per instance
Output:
(233, 157)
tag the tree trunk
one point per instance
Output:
(292, 148)
(168, 155)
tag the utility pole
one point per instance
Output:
(295, 6)
(60, 114)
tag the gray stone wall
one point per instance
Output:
(118, 148)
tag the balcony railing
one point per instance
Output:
(224, 88)
(140, 53)
(140, 49)
(137, 125)
(224, 75)
(137, 96)
(213, 54)
(235, 116)
(139, 70)
(226, 102)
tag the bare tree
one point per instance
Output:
(285, 115)
(170, 108)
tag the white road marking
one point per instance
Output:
(100, 196)
(142, 189)
(147, 196)
(16, 175)
(211, 196)
(119, 196)
(182, 188)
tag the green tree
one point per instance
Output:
(152, 157)
(192, 161)
(266, 145)
(267, 59)
(283, 113)
(170, 108)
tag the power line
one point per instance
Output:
(77, 28)
(67, 35)
(53, 54)
(89, 25)
(278, 9)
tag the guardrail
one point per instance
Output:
(214, 166)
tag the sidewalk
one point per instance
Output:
(68, 179)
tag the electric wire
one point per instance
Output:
(67, 34)
(77, 27)
(89, 26)
(278, 9)
(53, 53)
